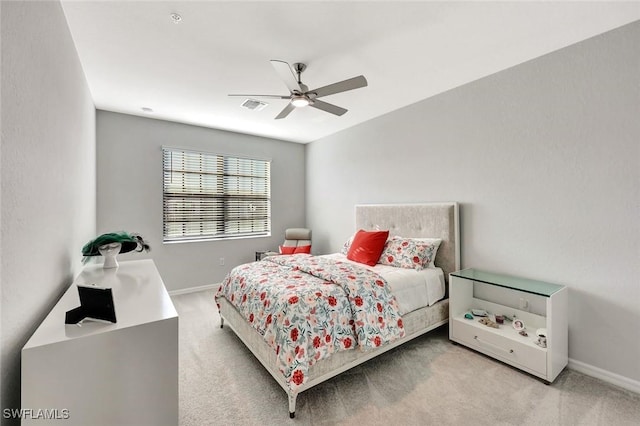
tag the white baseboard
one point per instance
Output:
(604, 375)
(194, 289)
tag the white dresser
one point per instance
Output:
(107, 374)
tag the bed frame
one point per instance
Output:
(436, 220)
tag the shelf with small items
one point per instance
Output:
(530, 322)
(535, 307)
(505, 329)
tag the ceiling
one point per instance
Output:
(134, 55)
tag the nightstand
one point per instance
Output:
(537, 305)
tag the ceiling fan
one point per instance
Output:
(301, 96)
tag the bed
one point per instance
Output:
(433, 220)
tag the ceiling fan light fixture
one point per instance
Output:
(300, 101)
(299, 94)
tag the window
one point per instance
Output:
(211, 196)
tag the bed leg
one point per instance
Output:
(292, 404)
(221, 322)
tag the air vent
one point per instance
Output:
(254, 105)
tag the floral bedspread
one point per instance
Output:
(309, 307)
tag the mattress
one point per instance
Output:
(412, 289)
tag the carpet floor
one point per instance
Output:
(428, 381)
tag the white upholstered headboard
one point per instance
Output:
(431, 220)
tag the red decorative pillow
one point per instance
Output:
(367, 246)
(295, 249)
(287, 249)
(302, 249)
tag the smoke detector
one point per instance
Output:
(254, 105)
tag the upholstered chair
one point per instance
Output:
(296, 240)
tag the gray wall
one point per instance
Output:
(130, 192)
(48, 193)
(545, 160)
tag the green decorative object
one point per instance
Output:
(111, 244)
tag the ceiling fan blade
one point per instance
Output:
(342, 86)
(285, 111)
(331, 108)
(286, 75)
(263, 96)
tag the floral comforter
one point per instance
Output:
(309, 307)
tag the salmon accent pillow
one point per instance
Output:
(303, 250)
(367, 246)
(295, 249)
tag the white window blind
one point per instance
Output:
(209, 196)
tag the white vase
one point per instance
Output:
(109, 252)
